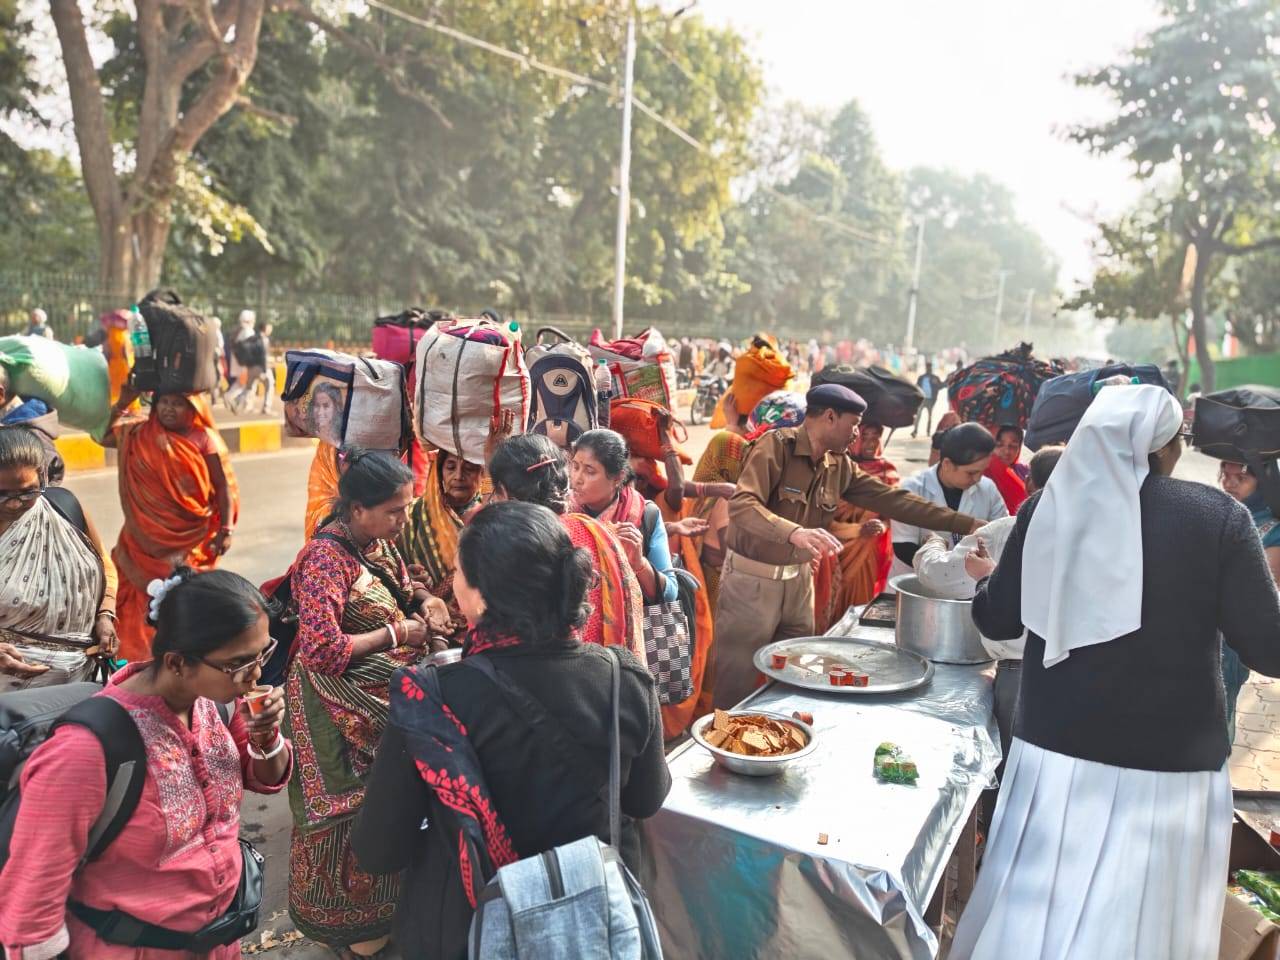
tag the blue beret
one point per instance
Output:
(833, 396)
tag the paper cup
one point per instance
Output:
(256, 699)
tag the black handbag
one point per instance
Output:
(240, 919)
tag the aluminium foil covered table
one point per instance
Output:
(736, 866)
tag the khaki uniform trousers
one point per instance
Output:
(753, 610)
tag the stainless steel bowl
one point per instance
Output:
(755, 766)
(940, 630)
(452, 655)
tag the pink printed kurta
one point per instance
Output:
(176, 863)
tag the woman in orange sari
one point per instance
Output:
(858, 572)
(179, 499)
(721, 463)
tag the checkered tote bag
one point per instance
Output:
(668, 648)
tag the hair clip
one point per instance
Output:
(158, 589)
(540, 464)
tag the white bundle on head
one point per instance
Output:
(1082, 562)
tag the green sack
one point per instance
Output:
(72, 380)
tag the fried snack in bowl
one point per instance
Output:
(758, 743)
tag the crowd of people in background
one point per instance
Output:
(540, 571)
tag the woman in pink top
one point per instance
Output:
(177, 862)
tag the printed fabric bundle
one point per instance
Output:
(1001, 390)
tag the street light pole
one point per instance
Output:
(915, 291)
(1004, 275)
(624, 175)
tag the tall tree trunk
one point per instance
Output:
(1204, 250)
(134, 220)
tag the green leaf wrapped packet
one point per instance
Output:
(892, 765)
(1266, 885)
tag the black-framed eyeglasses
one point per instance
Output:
(25, 497)
(239, 672)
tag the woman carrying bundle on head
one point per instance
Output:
(360, 617)
(176, 863)
(860, 570)
(179, 498)
(532, 469)
(429, 540)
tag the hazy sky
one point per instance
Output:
(976, 85)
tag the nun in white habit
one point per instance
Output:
(1111, 834)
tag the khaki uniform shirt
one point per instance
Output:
(783, 488)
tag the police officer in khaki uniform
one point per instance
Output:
(791, 483)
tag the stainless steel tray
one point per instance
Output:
(890, 668)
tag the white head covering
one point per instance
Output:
(1082, 562)
(248, 318)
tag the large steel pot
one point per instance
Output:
(937, 629)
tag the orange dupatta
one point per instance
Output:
(170, 514)
(859, 572)
(322, 487)
(676, 717)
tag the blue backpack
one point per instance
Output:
(563, 405)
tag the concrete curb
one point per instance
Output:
(80, 452)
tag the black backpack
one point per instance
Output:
(183, 347)
(29, 717)
(1062, 401)
(891, 401)
(251, 351)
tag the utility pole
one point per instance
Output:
(624, 174)
(914, 296)
(1026, 317)
(1004, 275)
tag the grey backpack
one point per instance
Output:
(577, 900)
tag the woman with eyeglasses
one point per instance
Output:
(360, 618)
(57, 580)
(177, 862)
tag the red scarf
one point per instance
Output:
(1010, 485)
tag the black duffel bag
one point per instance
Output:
(183, 346)
(1241, 424)
(891, 401)
(1063, 400)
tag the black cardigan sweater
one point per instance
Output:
(540, 798)
(1152, 699)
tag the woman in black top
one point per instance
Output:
(1112, 832)
(520, 583)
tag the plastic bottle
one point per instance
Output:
(1119, 380)
(139, 334)
(604, 390)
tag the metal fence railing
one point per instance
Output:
(73, 302)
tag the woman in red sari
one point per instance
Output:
(858, 572)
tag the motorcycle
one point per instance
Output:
(710, 390)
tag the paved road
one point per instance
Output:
(269, 535)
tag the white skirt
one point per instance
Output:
(1088, 861)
